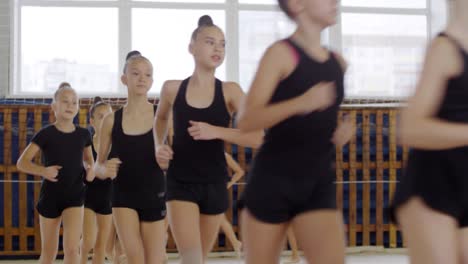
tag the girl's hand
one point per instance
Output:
(90, 175)
(111, 168)
(202, 131)
(318, 98)
(50, 173)
(164, 154)
(343, 133)
(230, 184)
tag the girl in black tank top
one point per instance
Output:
(97, 220)
(291, 179)
(138, 197)
(434, 189)
(197, 176)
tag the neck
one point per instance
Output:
(135, 102)
(64, 124)
(308, 32)
(203, 77)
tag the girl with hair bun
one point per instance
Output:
(201, 107)
(138, 197)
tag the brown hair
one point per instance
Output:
(203, 22)
(283, 5)
(97, 103)
(133, 56)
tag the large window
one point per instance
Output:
(384, 52)
(163, 35)
(384, 42)
(257, 31)
(79, 45)
(85, 42)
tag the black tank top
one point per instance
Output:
(442, 170)
(140, 182)
(198, 161)
(310, 133)
(454, 106)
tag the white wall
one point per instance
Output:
(4, 46)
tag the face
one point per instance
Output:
(66, 105)
(99, 113)
(208, 48)
(139, 76)
(323, 12)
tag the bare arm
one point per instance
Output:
(26, 165)
(88, 161)
(257, 113)
(106, 168)
(163, 113)
(346, 128)
(250, 139)
(205, 131)
(419, 127)
(164, 152)
(170, 131)
(239, 137)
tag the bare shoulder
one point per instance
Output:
(170, 88)
(281, 51)
(108, 121)
(232, 88)
(445, 56)
(172, 84)
(279, 47)
(233, 95)
(341, 60)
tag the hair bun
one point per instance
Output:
(97, 99)
(132, 53)
(205, 21)
(64, 85)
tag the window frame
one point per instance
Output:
(232, 9)
(427, 12)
